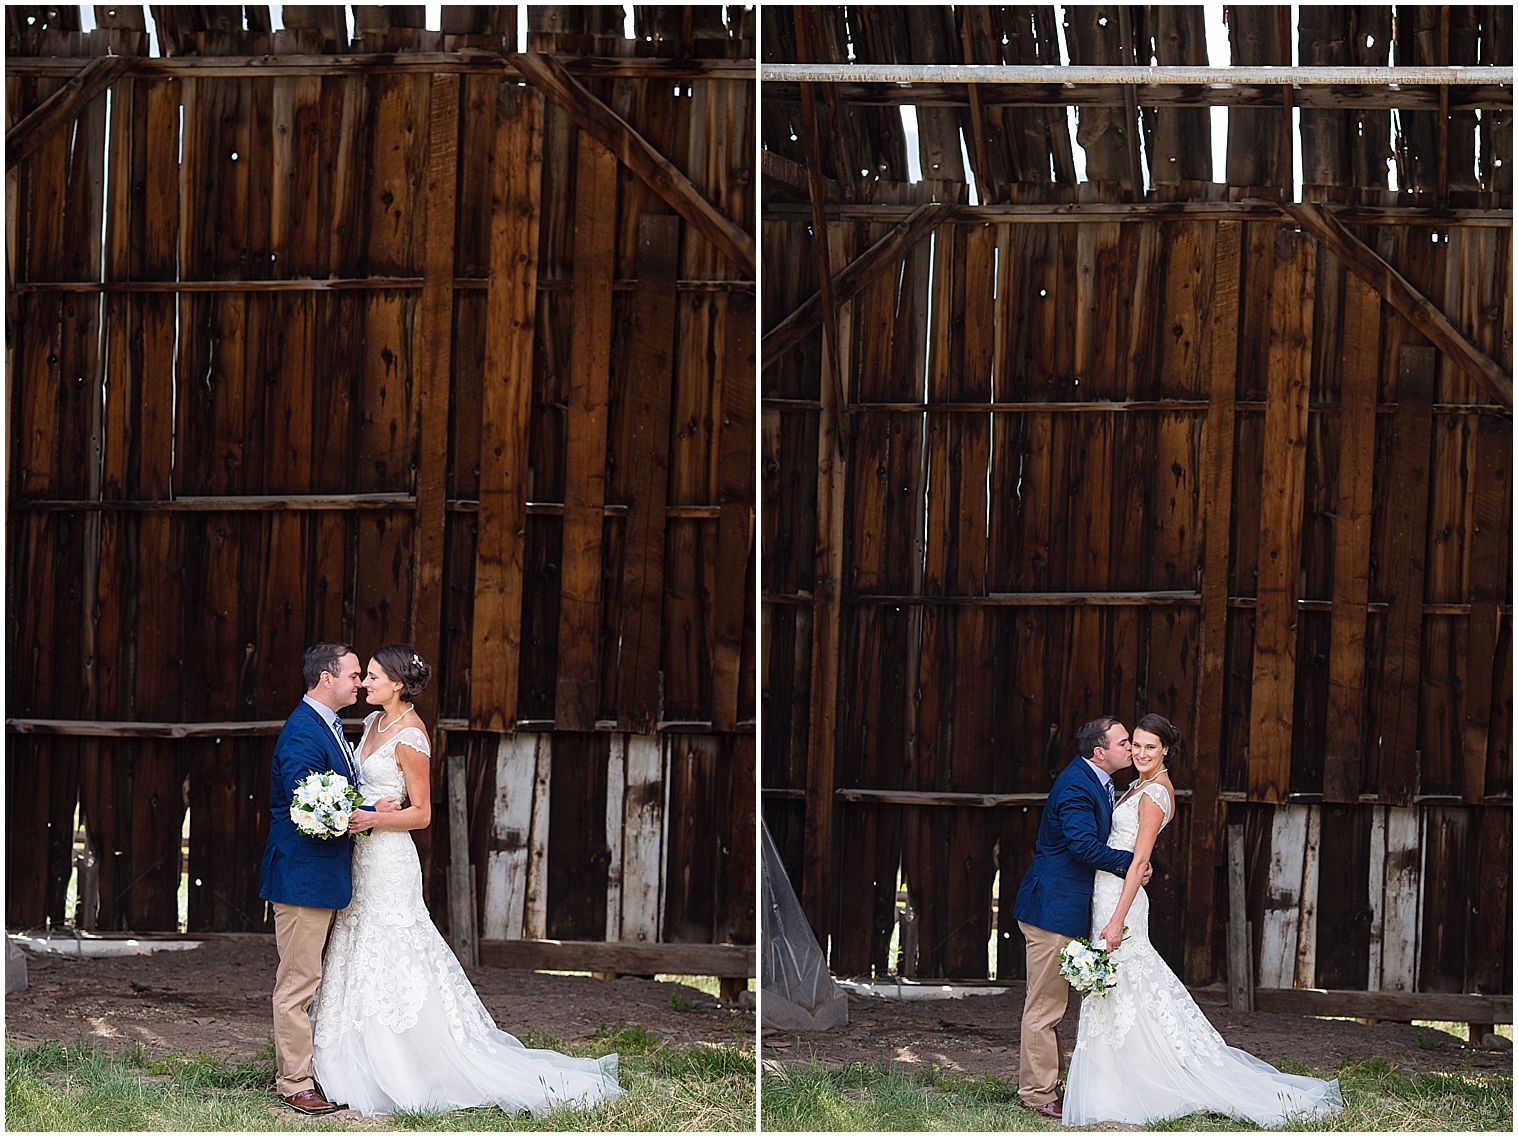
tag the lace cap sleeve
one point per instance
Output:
(1160, 797)
(414, 738)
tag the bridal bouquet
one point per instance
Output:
(323, 803)
(1088, 968)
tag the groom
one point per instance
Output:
(306, 879)
(1054, 900)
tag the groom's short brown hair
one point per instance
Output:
(1093, 734)
(322, 657)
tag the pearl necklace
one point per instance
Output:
(382, 728)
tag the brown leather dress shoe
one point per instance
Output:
(1050, 1109)
(309, 1101)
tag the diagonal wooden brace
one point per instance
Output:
(635, 152)
(1396, 290)
(855, 277)
(63, 106)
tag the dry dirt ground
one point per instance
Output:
(979, 1035)
(215, 1000)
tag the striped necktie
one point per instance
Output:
(342, 741)
(1111, 796)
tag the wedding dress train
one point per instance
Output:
(397, 1024)
(1146, 1052)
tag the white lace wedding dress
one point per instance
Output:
(397, 1024)
(1145, 1052)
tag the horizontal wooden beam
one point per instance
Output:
(1020, 600)
(1397, 1006)
(1129, 75)
(661, 175)
(318, 503)
(1488, 95)
(465, 60)
(783, 175)
(725, 961)
(1424, 315)
(339, 284)
(1070, 213)
(923, 220)
(1163, 406)
(1088, 599)
(63, 106)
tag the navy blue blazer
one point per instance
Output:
(297, 869)
(1072, 846)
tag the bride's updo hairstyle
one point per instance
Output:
(1161, 728)
(403, 665)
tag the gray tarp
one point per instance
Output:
(796, 990)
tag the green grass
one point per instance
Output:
(871, 1097)
(56, 1086)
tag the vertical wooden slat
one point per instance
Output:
(652, 344)
(1401, 890)
(433, 346)
(1343, 750)
(1215, 510)
(616, 803)
(1395, 757)
(642, 837)
(1279, 933)
(535, 902)
(511, 306)
(1288, 362)
(832, 475)
(577, 695)
(511, 829)
(735, 494)
(1490, 556)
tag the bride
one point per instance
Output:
(1144, 1051)
(397, 1023)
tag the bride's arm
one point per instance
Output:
(417, 815)
(1151, 818)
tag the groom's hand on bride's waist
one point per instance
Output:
(386, 805)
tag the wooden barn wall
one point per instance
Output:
(1303, 510)
(383, 354)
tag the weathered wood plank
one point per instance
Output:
(643, 844)
(433, 345)
(461, 934)
(652, 344)
(1395, 758)
(511, 309)
(1343, 748)
(1401, 893)
(735, 494)
(1390, 1006)
(616, 795)
(1490, 556)
(535, 902)
(1279, 934)
(1288, 363)
(577, 698)
(510, 827)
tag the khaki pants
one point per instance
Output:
(300, 935)
(1043, 1007)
